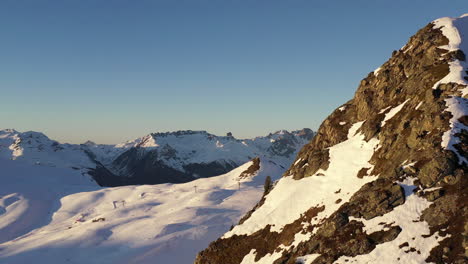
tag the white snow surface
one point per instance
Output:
(267, 259)
(290, 198)
(419, 105)
(458, 107)
(392, 112)
(376, 71)
(47, 214)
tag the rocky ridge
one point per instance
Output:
(385, 178)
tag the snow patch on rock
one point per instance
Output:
(393, 112)
(307, 259)
(454, 29)
(458, 107)
(267, 259)
(414, 232)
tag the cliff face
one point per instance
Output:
(385, 178)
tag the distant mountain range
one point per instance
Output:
(172, 157)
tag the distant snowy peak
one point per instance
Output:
(202, 146)
(188, 155)
(89, 143)
(36, 148)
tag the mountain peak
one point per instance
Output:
(387, 170)
(89, 143)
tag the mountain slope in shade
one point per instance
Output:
(385, 178)
(54, 215)
(173, 157)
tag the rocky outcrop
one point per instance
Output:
(254, 168)
(406, 202)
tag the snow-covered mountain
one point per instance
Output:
(187, 155)
(53, 211)
(36, 148)
(384, 180)
(172, 157)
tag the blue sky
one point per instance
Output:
(110, 71)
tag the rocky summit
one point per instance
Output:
(385, 178)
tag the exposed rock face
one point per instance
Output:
(385, 176)
(252, 170)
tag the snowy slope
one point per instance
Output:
(57, 216)
(29, 194)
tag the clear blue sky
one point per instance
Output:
(115, 70)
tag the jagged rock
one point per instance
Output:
(252, 169)
(375, 198)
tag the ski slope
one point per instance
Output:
(58, 215)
